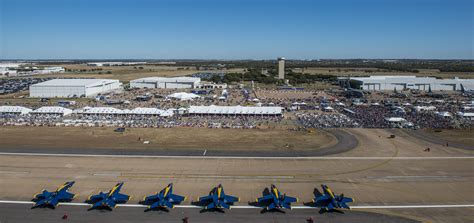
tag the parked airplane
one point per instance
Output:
(276, 200)
(467, 92)
(108, 200)
(51, 199)
(218, 199)
(328, 201)
(165, 198)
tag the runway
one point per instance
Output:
(241, 157)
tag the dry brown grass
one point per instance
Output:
(127, 73)
(174, 138)
(337, 71)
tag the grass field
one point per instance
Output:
(127, 73)
(337, 71)
(173, 138)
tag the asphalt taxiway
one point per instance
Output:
(12, 213)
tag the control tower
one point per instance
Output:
(281, 68)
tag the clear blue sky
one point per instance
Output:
(236, 29)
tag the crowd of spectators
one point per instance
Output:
(321, 120)
(140, 121)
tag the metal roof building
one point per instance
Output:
(69, 88)
(383, 83)
(166, 82)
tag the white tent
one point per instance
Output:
(167, 113)
(145, 111)
(102, 111)
(425, 108)
(53, 110)
(234, 110)
(395, 119)
(15, 110)
(328, 108)
(183, 96)
(444, 114)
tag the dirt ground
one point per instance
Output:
(463, 136)
(172, 138)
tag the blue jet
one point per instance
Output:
(218, 199)
(276, 200)
(328, 201)
(165, 198)
(108, 200)
(52, 199)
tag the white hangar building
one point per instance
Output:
(166, 82)
(70, 88)
(385, 83)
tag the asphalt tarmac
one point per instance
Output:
(345, 143)
(12, 213)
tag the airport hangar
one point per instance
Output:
(67, 88)
(384, 83)
(166, 82)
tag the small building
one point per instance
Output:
(166, 82)
(73, 88)
(210, 85)
(387, 83)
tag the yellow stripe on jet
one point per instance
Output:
(113, 189)
(330, 193)
(219, 191)
(167, 189)
(62, 186)
(275, 191)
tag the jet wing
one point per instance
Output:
(289, 199)
(231, 199)
(44, 194)
(206, 198)
(151, 198)
(224, 205)
(211, 205)
(97, 197)
(265, 198)
(119, 198)
(330, 206)
(160, 204)
(65, 196)
(321, 198)
(174, 198)
(347, 200)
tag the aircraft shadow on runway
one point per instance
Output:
(318, 193)
(263, 205)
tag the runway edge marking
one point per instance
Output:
(255, 207)
(240, 157)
